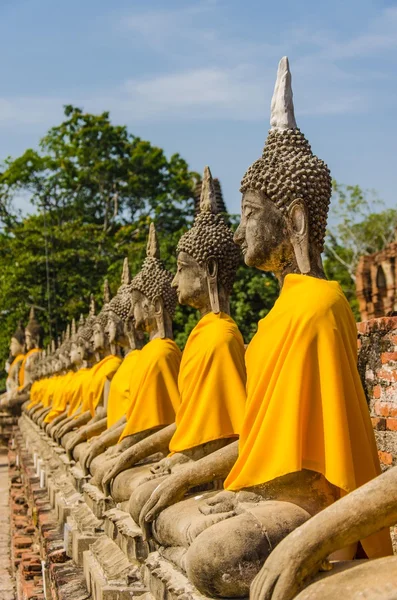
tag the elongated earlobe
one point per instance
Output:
(212, 279)
(159, 313)
(299, 234)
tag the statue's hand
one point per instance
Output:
(285, 571)
(110, 474)
(168, 492)
(165, 465)
(221, 503)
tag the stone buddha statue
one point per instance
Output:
(17, 354)
(212, 374)
(82, 357)
(123, 335)
(33, 341)
(109, 338)
(302, 555)
(153, 393)
(307, 438)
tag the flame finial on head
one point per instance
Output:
(125, 275)
(152, 248)
(73, 332)
(208, 202)
(282, 107)
(92, 306)
(106, 292)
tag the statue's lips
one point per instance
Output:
(244, 249)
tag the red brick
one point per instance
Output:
(378, 423)
(385, 457)
(381, 409)
(376, 391)
(387, 375)
(388, 356)
(22, 541)
(391, 424)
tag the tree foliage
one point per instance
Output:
(95, 188)
(360, 225)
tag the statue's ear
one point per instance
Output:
(159, 314)
(299, 234)
(212, 280)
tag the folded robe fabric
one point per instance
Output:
(60, 396)
(211, 383)
(306, 407)
(105, 369)
(119, 393)
(154, 395)
(79, 387)
(16, 363)
(23, 366)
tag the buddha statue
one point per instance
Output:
(304, 553)
(33, 341)
(108, 338)
(212, 374)
(306, 438)
(121, 333)
(14, 375)
(64, 368)
(153, 394)
(83, 359)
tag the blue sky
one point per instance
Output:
(197, 76)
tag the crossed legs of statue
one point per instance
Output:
(221, 540)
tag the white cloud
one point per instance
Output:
(225, 77)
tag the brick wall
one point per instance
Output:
(377, 361)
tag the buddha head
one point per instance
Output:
(99, 338)
(119, 309)
(81, 347)
(33, 332)
(64, 350)
(286, 195)
(207, 257)
(152, 297)
(17, 345)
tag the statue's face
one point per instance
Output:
(144, 312)
(98, 337)
(76, 355)
(64, 360)
(115, 332)
(263, 234)
(15, 347)
(190, 282)
(29, 340)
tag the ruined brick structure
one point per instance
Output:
(378, 368)
(376, 283)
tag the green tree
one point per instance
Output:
(360, 225)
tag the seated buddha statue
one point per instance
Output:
(33, 341)
(64, 369)
(153, 393)
(212, 375)
(306, 438)
(83, 359)
(17, 354)
(121, 333)
(302, 555)
(108, 338)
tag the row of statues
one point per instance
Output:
(220, 452)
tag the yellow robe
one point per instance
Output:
(119, 393)
(23, 366)
(211, 383)
(103, 370)
(154, 395)
(306, 407)
(36, 392)
(14, 365)
(60, 397)
(79, 387)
